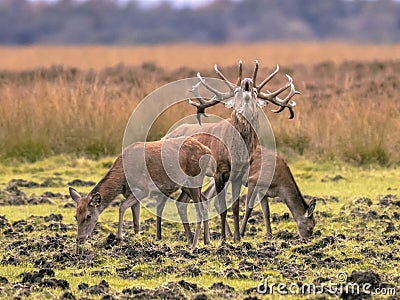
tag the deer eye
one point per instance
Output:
(88, 217)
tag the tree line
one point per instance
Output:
(112, 22)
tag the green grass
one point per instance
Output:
(346, 216)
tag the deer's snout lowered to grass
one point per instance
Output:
(139, 172)
(268, 182)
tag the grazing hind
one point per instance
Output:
(279, 182)
(142, 165)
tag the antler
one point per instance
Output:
(255, 72)
(239, 80)
(202, 103)
(266, 80)
(273, 96)
(230, 85)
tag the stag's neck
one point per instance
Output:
(112, 184)
(248, 129)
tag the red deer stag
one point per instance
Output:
(239, 132)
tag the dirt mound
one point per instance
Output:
(80, 182)
(168, 290)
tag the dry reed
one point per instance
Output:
(348, 111)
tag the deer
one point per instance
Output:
(139, 172)
(221, 156)
(270, 177)
(239, 132)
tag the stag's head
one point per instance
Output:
(306, 224)
(244, 96)
(87, 213)
(244, 100)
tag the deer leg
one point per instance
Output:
(228, 230)
(236, 185)
(225, 177)
(266, 213)
(211, 192)
(135, 208)
(160, 208)
(250, 199)
(220, 205)
(195, 194)
(199, 217)
(218, 208)
(204, 206)
(181, 205)
(128, 202)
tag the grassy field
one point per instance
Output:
(356, 233)
(63, 114)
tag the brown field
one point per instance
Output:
(77, 100)
(193, 56)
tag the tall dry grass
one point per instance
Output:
(50, 111)
(348, 110)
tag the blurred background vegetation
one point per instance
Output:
(128, 22)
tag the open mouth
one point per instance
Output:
(247, 86)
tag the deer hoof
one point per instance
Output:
(236, 237)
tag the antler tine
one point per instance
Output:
(266, 80)
(203, 104)
(255, 72)
(239, 80)
(283, 103)
(285, 87)
(230, 85)
(208, 87)
(219, 96)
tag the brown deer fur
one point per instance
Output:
(147, 177)
(266, 181)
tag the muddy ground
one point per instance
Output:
(359, 243)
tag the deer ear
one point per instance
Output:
(310, 209)
(261, 103)
(74, 194)
(96, 200)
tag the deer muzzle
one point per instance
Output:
(81, 239)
